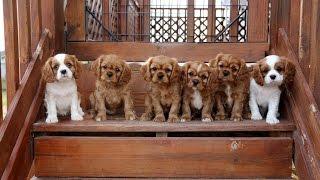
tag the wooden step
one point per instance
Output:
(120, 125)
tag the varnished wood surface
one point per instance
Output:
(204, 157)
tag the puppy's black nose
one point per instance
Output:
(160, 76)
(63, 71)
(195, 81)
(226, 73)
(109, 74)
(273, 77)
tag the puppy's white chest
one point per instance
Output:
(197, 100)
(228, 93)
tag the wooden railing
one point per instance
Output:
(28, 44)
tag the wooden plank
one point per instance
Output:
(304, 107)
(211, 20)
(75, 19)
(24, 31)
(119, 125)
(36, 23)
(163, 157)
(294, 24)
(274, 23)
(146, 20)
(123, 19)
(234, 12)
(258, 21)
(190, 21)
(251, 52)
(19, 108)
(12, 48)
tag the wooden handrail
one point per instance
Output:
(23, 99)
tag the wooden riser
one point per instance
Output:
(195, 157)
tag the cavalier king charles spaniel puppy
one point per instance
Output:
(163, 74)
(61, 94)
(232, 94)
(198, 90)
(268, 78)
(113, 90)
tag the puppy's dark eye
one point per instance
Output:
(168, 70)
(234, 69)
(204, 77)
(191, 74)
(105, 67)
(69, 65)
(154, 68)
(220, 65)
(279, 69)
(117, 69)
(55, 67)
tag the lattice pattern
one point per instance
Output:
(242, 28)
(113, 16)
(94, 29)
(133, 21)
(168, 24)
(200, 25)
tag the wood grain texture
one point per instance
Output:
(24, 32)
(88, 51)
(19, 108)
(190, 21)
(258, 21)
(12, 48)
(75, 19)
(163, 157)
(303, 107)
(36, 23)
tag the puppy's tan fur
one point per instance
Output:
(232, 96)
(163, 73)
(113, 89)
(200, 83)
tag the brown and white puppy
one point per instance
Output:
(113, 89)
(163, 73)
(198, 90)
(268, 75)
(234, 77)
(61, 94)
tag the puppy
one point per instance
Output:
(234, 78)
(163, 73)
(198, 90)
(61, 95)
(112, 87)
(268, 77)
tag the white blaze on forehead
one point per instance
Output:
(272, 60)
(60, 58)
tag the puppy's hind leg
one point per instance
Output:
(148, 114)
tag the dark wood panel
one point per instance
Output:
(163, 157)
(75, 19)
(258, 21)
(88, 51)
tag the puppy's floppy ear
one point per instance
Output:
(145, 69)
(95, 66)
(77, 66)
(126, 74)
(176, 71)
(257, 75)
(244, 70)
(290, 70)
(214, 62)
(47, 71)
(184, 72)
(213, 77)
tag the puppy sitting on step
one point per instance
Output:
(232, 95)
(163, 73)
(198, 91)
(112, 87)
(268, 79)
(61, 94)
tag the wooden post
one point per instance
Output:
(274, 23)
(146, 20)
(190, 21)
(211, 20)
(24, 35)
(53, 19)
(36, 24)
(123, 19)
(75, 18)
(294, 24)
(258, 21)
(233, 15)
(11, 46)
(106, 18)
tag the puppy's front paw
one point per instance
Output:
(145, 117)
(76, 117)
(256, 116)
(173, 119)
(272, 120)
(101, 117)
(185, 118)
(51, 119)
(206, 118)
(80, 111)
(220, 117)
(159, 118)
(130, 116)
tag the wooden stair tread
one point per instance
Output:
(118, 124)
